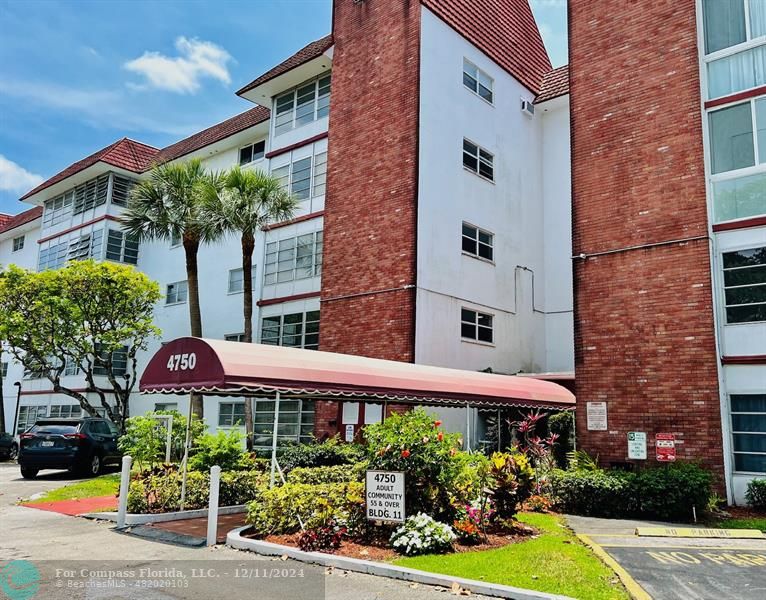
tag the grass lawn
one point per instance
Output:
(105, 485)
(555, 562)
(743, 523)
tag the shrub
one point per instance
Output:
(538, 503)
(670, 491)
(421, 534)
(593, 493)
(473, 520)
(511, 481)
(756, 493)
(276, 510)
(325, 538)
(145, 437)
(326, 454)
(414, 443)
(562, 424)
(222, 448)
(159, 490)
(319, 475)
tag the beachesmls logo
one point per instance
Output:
(19, 580)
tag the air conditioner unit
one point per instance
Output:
(528, 108)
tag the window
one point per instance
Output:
(58, 209)
(165, 406)
(231, 414)
(234, 337)
(119, 360)
(477, 242)
(478, 160)
(304, 104)
(177, 292)
(86, 246)
(65, 411)
(299, 330)
(477, 80)
(4, 369)
(52, 257)
(296, 422)
(28, 415)
(744, 279)
(748, 426)
(71, 368)
(739, 198)
(121, 247)
(735, 142)
(121, 188)
(740, 71)
(297, 176)
(726, 24)
(90, 194)
(252, 152)
(293, 258)
(18, 243)
(237, 280)
(175, 240)
(475, 325)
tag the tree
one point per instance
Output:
(243, 201)
(167, 206)
(88, 317)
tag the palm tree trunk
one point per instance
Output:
(248, 245)
(191, 248)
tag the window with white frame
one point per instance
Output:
(121, 188)
(478, 160)
(234, 337)
(298, 330)
(475, 325)
(53, 255)
(306, 103)
(237, 280)
(175, 240)
(177, 293)
(744, 277)
(165, 406)
(300, 179)
(477, 81)
(65, 411)
(18, 243)
(231, 414)
(748, 428)
(4, 369)
(119, 360)
(296, 422)
(88, 245)
(90, 194)
(252, 152)
(478, 242)
(293, 258)
(121, 247)
(58, 209)
(28, 415)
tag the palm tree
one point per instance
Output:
(167, 206)
(247, 201)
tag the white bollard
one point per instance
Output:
(127, 462)
(212, 510)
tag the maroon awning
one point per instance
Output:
(215, 367)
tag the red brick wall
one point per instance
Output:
(644, 332)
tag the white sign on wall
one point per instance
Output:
(596, 414)
(637, 445)
(384, 495)
(349, 433)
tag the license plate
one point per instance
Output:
(46, 444)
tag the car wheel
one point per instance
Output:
(28, 473)
(14, 454)
(95, 465)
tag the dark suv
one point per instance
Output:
(83, 445)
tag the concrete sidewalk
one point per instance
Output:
(676, 568)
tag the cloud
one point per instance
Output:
(15, 178)
(182, 74)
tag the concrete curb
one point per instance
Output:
(235, 540)
(141, 519)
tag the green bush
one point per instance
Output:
(319, 475)
(276, 510)
(512, 480)
(145, 437)
(593, 493)
(225, 449)
(562, 424)
(326, 454)
(159, 490)
(669, 492)
(756, 493)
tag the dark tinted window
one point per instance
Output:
(55, 429)
(99, 427)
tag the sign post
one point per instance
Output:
(384, 496)
(665, 445)
(637, 445)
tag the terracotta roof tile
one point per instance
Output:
(305, 54)
(125, 153)
(4, 219)
(505, 30)
(555, 84)
(208, 136)
(21, 219)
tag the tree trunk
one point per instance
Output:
(248, 245)
(191, 248)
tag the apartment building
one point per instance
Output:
(428, 144)
(669, 224)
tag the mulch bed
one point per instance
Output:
(744, 512)
(379, 550)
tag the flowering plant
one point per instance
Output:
(473, 519)
(324, 537)
(421, 534)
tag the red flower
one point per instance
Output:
(437, 423)
(452, 452)
(440, 437)
(405, 453)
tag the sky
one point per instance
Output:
(76, 76)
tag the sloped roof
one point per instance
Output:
(4, 219)
(217, 132)
(125, 154)
(555, 84)
(21, 219)
(305, 54)
(505, 30)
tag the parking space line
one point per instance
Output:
(634, 589)
(663, 546)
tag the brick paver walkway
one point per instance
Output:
(198, 527)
